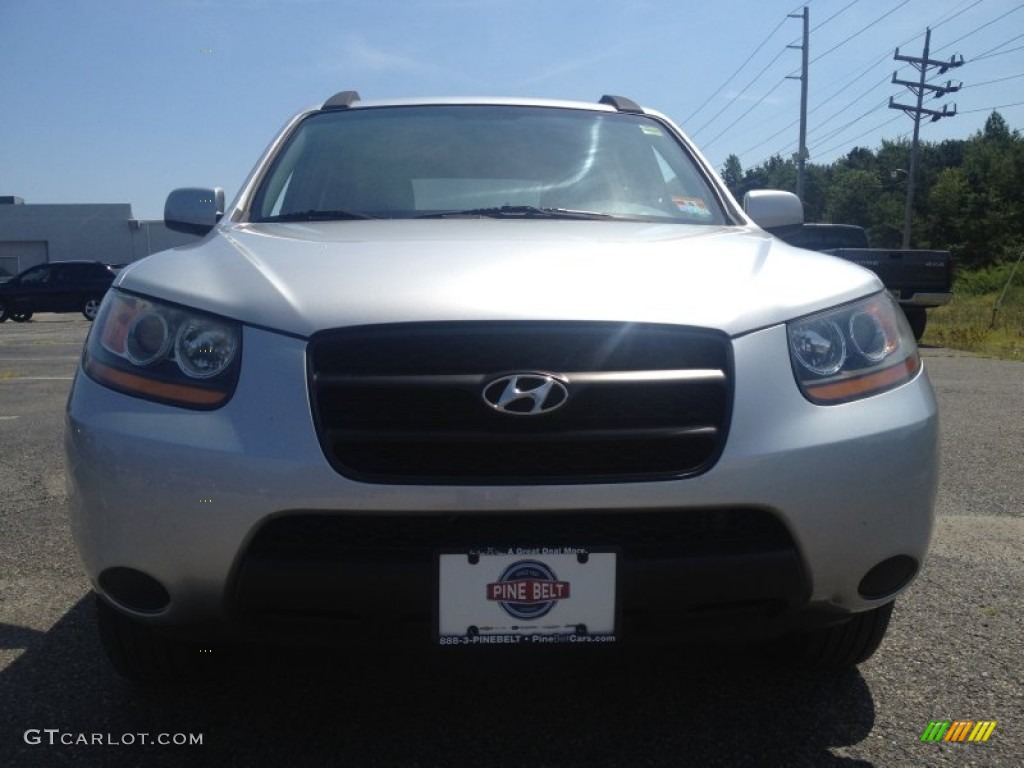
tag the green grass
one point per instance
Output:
(968, 322)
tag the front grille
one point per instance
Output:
(637, 535)
(404, 403)
(378, 570)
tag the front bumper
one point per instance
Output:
(939, 299)
(182, 496)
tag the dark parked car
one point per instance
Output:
(64, 286)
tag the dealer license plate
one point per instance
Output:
(526, 596)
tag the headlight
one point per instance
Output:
(161, 352)
(854, 351)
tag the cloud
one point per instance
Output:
(560, 70)
(241, 5)
(362, 55)
(761, 98)
(356, 54)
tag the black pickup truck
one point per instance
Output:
(919, 279)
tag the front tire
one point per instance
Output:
(918, 319)
(143, 655)
(21, 317)
(841, 645)
(90, 307)
(5, 312)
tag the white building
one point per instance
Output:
(107, 232)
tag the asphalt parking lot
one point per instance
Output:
(955, 650)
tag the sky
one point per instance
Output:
(110, 101)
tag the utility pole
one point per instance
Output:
(922, 64)
(801, 157)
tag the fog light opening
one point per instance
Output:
(134, 589)
(888, 577)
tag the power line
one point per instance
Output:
(939, 23)
(992, 55)
(869, 66)
(847, 142)
(841, 10)
(821, 104)
(989, 82)
(988, 54)
(866, 70)
(998, 106)
(984, 54)
(751, 109)
(738, 95)
(738, 70)
(777, 133)
(850, 104)
(885, 56)
(949, 17)
(758, 77)
(747, 61)
(835, 132)
(978, 29)
(858, 32)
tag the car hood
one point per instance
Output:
(300, 278)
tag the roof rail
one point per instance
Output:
(341, 100)
(622, 104)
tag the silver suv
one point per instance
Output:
(476, 372)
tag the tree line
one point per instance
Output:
(969, 193)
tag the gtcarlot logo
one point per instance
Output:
(55, 737)
(958, 730)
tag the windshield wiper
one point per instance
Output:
(315, 215)
(518, 212)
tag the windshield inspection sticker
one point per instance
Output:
(651, 130)
(692, 206)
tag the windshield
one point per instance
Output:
(494, 161)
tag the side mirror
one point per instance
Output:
(774, 211)
(194, 210)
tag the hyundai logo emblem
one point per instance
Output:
(526, 394)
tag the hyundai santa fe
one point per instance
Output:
(483, 373)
